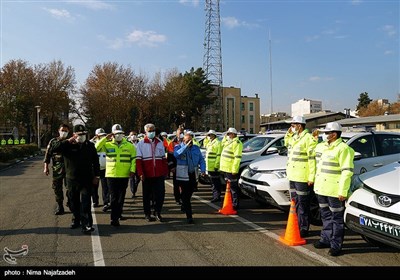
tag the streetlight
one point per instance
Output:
(38, 125)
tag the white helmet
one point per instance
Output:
(232, 130)
(117, 128)
(100, 132)
(163, 134)
(297, 119)
(211, 131)
(332, 126)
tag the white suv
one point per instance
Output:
(373, 209)
(265, 179)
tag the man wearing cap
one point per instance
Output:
(213, 157)
(57, 167)
(231, 156)
(300, 169)
(335, 168)
(120, 166)
(82, 172)
(99, 134)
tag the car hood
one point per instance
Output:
(272, 162)
(385, 179)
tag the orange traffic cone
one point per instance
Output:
(227, 208)
(292, 234)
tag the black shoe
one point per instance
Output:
(115, 223)
(74, 225)
(334, 252)
(303, 233)
(190, 221)
(319, 245)
(215, 200)
(148, 218)
(159, 218)
(87, 229)
(122, 218)
(59, 210)
(106, 207)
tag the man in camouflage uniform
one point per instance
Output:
(57, 167)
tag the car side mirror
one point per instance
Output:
(357, 156)
(272, 150)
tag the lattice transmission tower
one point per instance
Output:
(212, 65)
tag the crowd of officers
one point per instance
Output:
(117, 161)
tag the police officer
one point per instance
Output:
(3, 141)
(332, 183)
(99, 134)
(22, 142)
(300, 169)
(213, 157)
(82, 172)
(57, 167)
(120, 165)
(231, 156)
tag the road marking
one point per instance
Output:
(96, 244)
(270, 234)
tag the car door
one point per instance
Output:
(365, 145)
(387, 147)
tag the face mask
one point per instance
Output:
(63, 134)
(325, 137)
(81, 138)
(151, 134)
(118, 137)
(294, 130)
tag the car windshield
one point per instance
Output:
(256, 144)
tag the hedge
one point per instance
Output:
(10, 152)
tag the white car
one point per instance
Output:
(258, 146)
(373, 209)
(265, 179)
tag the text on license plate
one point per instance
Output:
(379, 226)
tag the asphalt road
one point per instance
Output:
(249, 239)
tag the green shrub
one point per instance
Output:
(10, 152)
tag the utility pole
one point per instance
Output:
(38, 125)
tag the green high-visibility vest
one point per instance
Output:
(22, 141)
(3, 142)
(16, 142)
(10, 141)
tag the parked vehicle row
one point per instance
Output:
(265, 179)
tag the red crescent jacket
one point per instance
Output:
(150, 158)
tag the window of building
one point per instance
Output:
(251, 119)
(242, 106)
(251, 106)
(243, 119)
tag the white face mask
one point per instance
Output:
(118, 137)
(325, 137)
(81, 138)
(294, 130)
(63, 134)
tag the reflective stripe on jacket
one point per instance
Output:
(301, 157)
(231, 156)
(213, 154)
(120, 159)
(335, 168)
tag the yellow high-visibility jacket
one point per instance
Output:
(335, 168)
(213, 155)
(300, 166)
(120, 159)
(231, 156)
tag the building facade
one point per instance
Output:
(306, 106)
(241, 112)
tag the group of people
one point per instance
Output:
(325, 168)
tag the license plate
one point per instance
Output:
(379, 226)
(249, 188)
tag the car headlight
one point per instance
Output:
(280, 173)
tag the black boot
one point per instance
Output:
(59, 209)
